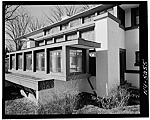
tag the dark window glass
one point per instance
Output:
(134, 16)
(121, 15)
(137, 58)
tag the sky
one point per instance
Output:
(38, 11)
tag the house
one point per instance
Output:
(95, 50)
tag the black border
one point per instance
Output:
(144, 106)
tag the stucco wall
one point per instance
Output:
(133, 78)
(101, 33)
(115, 41)
(132, 45)
(101, 72)
(73, 86)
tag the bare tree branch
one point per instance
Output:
(57, 12)
(9, 12)
(17, 27)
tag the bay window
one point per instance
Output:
(56, 61)
(75, 61)
(28, 61)
(40, 61)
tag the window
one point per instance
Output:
(40, 43)
(75, 22)
(88, 35)
(40, 61)
(88, 18)
(60, 39)
(137, 58)
(72, 36)
(134, 16)
(19, 61)
(13, 61)
(75, 61)
(49, 41)
(65, 26)
(28, 61)
(56, 61)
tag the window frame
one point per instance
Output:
(61, 68)
(12, 61)
(39, 67)
(27, 61)
(83, 61)
(137, 58)
(134, 14)
(18, 56)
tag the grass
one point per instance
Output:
(21, 106)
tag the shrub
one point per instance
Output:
(6, 65)
(63, 103)
(90, 109)
(117, 98)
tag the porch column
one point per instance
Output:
(64, 36)
(15, 61)
(78, 34)
(23, 61)
(9, 62)
(33, 61)
(87, 61)
(64, 62)
(46, 61)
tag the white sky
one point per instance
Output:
(37, 10)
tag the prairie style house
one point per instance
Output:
(97, 48)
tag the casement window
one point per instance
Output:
(56, 61)
(75, 61)
(40, 43)
(28, 61)
(60, 39)
(50, 41)
(88, 35)
(137, 58)
(52, 30)
(134, 16)
(75, 22)
(19, 61)
(88, 18)
(13, 61)
(65, 26)
(40, 61)
(72, 36)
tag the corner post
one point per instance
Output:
(33, 61)
(46, 61)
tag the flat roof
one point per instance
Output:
(78, 15)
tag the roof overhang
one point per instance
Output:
(79, 43)
(85, 44)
